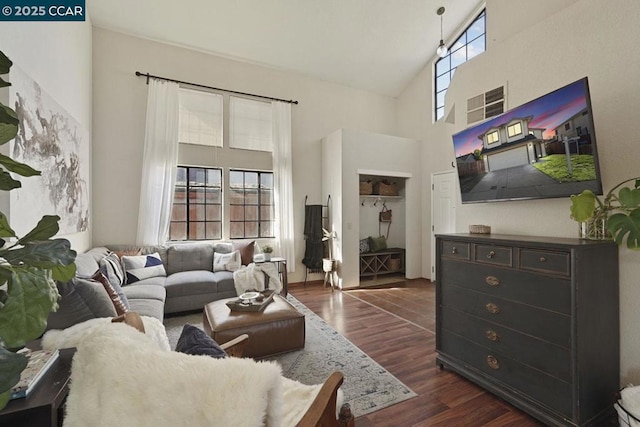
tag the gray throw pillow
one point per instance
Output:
(80, 300)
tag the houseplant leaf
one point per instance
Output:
(42, 254)
(17, 167)
(8, 124)
(583, 205)
(46, 228)
(629, 198)
(5, 63)
(11, 364)
(31, 298)
(7, 183)
(5, 228)
(621, 225)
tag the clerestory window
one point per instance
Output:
(471, 42)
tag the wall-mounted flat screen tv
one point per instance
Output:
(542, 149)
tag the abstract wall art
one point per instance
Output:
(50, 140)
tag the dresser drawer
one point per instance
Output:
(551, 293)
(549, 391)
(539, 354)
(546, 261)
(494, 255)
(543, 324)
(457, 250)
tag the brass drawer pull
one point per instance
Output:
(454, 250)
(492, 335)
(492, 308)
(492, 280)
(543, 259)
(491, 254)
(493, 362)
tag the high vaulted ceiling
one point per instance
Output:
(375, 45)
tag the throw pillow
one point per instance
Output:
(143, 267)
(364, 245)
(195, 341)
(377, 244)
(246, 251)
(226, 262)
(113, 269)
(118, 298)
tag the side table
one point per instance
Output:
(45, 405)
(281, 265)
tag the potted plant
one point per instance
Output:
(267, 250)
(615, 217)
(328, 264)
(29, 265)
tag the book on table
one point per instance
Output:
(39, 363)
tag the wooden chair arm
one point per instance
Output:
(235, 347)
(322, 412)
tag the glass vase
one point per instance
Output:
(595, 228)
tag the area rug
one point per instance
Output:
(367, 386)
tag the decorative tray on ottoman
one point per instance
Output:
(252, 301)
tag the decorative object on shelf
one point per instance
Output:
(616, 217)
(31, 265)
(479, 229)
(267, 251)
(385, 187)
(442, 49)
(366, 187)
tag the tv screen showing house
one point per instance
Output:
(542, 149)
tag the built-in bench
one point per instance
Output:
(390, 260)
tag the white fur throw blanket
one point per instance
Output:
(120, 377)
(252, 277)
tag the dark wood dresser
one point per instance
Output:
(534, 320)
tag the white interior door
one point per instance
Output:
(443, 209)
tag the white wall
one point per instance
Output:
(581, 38)
(119, 115)
(57, 55)
(371, 154)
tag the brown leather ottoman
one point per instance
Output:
(276, 329)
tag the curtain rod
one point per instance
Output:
(148, 76)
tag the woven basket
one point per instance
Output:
(385, 188)
(479, 229)
(366, 188)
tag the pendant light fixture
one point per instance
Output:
(442, 50)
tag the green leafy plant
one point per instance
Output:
(619, 211)
(29, 265)
(267, 249)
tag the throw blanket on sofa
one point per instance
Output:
(120, 377)
(253, 277)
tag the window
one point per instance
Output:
(492, 137)
(471, 43)
(197, 204)
(250, 127)
(199, 117)
(514, 129)
(224, 187)
(251, 204)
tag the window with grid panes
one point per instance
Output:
(197, 204)
(470, 43)
(251, 207)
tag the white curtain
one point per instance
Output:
(283, 182)
(158, 163)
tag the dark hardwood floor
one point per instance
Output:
(395, 325)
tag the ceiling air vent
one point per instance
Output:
(485, 105)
